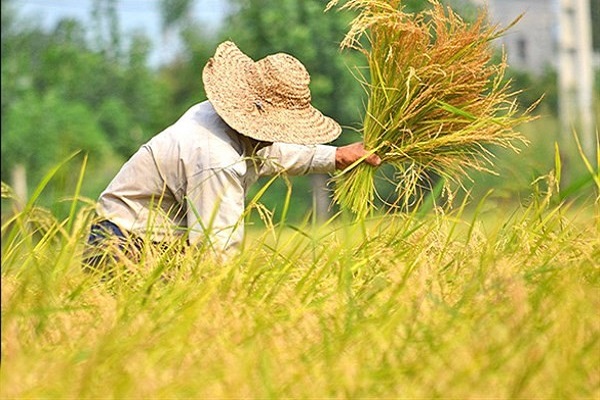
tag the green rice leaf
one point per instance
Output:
(455, 110)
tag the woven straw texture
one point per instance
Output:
(267, 100)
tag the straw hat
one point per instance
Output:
(267, 100)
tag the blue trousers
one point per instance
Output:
(107, 242)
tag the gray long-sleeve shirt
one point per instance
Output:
(191, 179)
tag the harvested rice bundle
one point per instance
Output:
(436, 100)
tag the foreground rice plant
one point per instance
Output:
(461, 304)
(436, 100)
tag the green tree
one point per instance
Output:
(45, 130)
(175, 13)
(106, 31)
(62, 93)
(182, 76)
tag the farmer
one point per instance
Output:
(189, 182)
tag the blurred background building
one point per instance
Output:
(556, 35)
(532, 44)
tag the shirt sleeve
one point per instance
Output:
(215, 204)
(296, 159)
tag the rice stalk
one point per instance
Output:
(436, 99)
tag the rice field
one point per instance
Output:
(474, 302)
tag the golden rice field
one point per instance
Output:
(493, 298)
(477, 302)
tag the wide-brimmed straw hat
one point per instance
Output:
(268, 100)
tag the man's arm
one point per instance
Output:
(301, 159)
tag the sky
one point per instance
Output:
(134, 15)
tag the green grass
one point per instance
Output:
(474, 302)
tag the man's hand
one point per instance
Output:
(347, 155)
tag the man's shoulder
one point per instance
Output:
(203, 116)
(200, 111)
(200, 128)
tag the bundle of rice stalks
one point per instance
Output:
(436, 98)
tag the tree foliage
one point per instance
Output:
(63, 92)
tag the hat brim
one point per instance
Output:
(225, 79)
